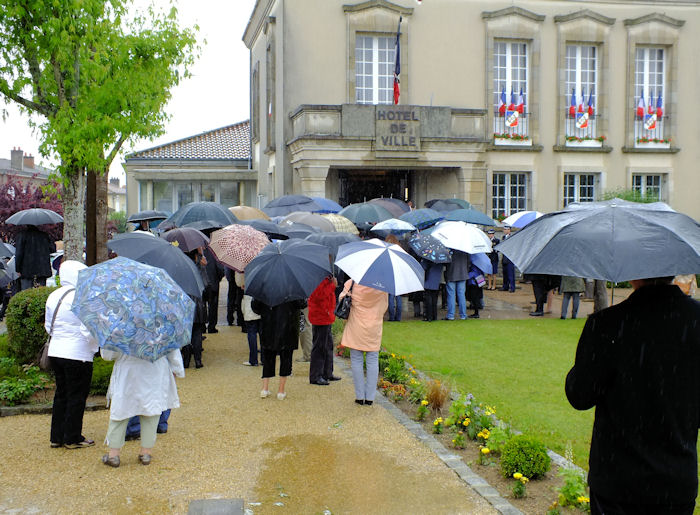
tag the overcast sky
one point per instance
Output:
(216, 95)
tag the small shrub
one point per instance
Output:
(437, 395)
(422, 410)
(395, 370)
(458, 441)
(500, 436)
(525, 455)
(417, 391)
(101, 373)
(573, 491)
(25, 323)
(16, 390)
(4, 346)
(10, 368)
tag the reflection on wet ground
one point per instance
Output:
(313, 474)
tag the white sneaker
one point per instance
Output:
(264, 394)
(247, 363)
(281, 396)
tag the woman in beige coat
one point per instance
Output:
(363, 335)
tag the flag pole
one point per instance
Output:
(397, 63)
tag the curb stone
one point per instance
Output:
(43, 409)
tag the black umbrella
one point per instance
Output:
(463, 204)
(332, 240)
(366, 214)
(198, 211)
(147, 216)
(157, 252)
(613, 240)
(272, 230)
(204, 225)
(187, 238)
(34, 216)
(286, 204)
(445, 205)
(395, 206)
(299, 230)
(430, 248)
(286, 270)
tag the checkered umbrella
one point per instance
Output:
(341, 223)
(236, 245)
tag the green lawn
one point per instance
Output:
(517, 366)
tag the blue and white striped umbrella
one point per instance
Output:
(521, 218)
(380, 265)
(392, 226)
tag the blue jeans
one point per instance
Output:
(394, 307)
(460, 287)
(575, 297)
(365, 388)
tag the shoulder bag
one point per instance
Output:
(44, 361)
(342, 310)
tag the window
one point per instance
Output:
(228, 194)
(163, 196)
(255, 102)
(649, 75)
(648, 185)
(509, 194)
(510, 63)
(581, 83)
(579, 187)
(374, 69)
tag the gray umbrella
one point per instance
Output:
(34, 216)
(6, 250)
(147, 216)
(613, 240)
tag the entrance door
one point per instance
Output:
(363, 185)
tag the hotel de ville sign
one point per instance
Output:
(397, 128)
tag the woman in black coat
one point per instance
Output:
(279, 335)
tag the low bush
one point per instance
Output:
(101, 373)
(19, 387)
(393, 369)
(525, 455)
(4, 346)
(500, 435)
(25, 324)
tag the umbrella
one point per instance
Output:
(422, 218)
(327, 205)
(147, 216)
(133, 308)
(395, 206)
(236, 245)
(187, 238)
(6, 250)
(364, 215)
(332, 240)
(159, 253)
(445, 206)
(204, 225)
(34, 216)
(470, 216)
(286, 270)
(430, 248)
(299, 230)
(382, 266)
(248, 213)
(521, 218)
(286, 204)
(270, 228)
(461, 203)
(392, 226)
(307, 218)
(613, 240)
(341, 223)
(198, 211)
(167, 225)
(482, 262)
(461, 236)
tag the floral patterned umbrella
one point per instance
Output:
(133, 308)
(430, 248)
(236, 245)
(341, 223)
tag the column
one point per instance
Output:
(471, 184)
(312, 180)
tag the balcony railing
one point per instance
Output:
(649, 132)
(582, 132)
(504, 134)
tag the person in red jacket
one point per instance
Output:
(322, 316)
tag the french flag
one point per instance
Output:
(572, 106)
(659, 108)
(511, 106)
(583, 98)
(650, 107)
(521, 102)
(640, 106)
(397, 66)
(502, 105)
(590, 103)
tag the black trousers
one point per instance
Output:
(269, 357)
(603, 506)
(230, 301)
(321, 353)
(539, 288)
(213, 307)
(73, 379)
(430, 304)
(194, 348)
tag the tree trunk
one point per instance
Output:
(102, 216)
(91, 218)
(600, 295)
(73, 215)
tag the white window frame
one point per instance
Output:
(381, 47)
(644, 182)
(651, 83)
(578, 77)
(511, 201)
(573, 188)
(504, 76)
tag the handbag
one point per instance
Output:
(480, 281)
(342, 310)
(44, 361)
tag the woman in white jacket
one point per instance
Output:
(71, 351)
(139, 387)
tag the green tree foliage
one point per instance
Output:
(631, 195)
(25, 323)
(98, 74)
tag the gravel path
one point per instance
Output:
(317, 450)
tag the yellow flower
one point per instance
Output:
(485, 450)
(524, 480)
(583, 499)
(424, 402)
(413, 372)
(517, 475)
(393, 355)
(466, 422)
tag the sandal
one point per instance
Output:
(110, 462)
(86, 442)
(145, 459)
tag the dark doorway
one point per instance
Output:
(363, 185)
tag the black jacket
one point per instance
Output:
(638, 363)
(215, 271)
(279, 325)
(33, 253)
